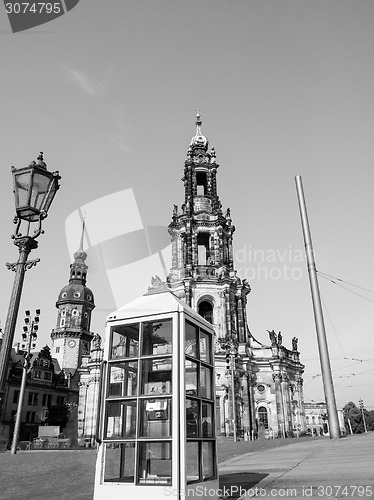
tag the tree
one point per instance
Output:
(354, 414)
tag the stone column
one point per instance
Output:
(278, 397)
(241, 325)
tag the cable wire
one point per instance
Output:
(345, 288)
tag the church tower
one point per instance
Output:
(202, 271)
(71, 338)
(203, 275)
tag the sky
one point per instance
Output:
(109, 92)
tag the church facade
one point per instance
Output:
(258, 387)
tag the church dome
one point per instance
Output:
(75, 292)
(199, 140)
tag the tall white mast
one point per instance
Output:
(318, 317)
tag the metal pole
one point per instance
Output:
(318, 316)
(361, 402)
(350, 425)
(25, 245)
(17, 426)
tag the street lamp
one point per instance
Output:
(29, 336)
(34, 190)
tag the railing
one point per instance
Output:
(206, 272)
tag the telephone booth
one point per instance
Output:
(156, 428)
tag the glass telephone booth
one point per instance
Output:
(156, 428)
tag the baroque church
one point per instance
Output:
(259, 387)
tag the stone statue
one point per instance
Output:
(272, 336)
(228, 213)
(279, 338)
(96, 342)
(294, 344)
(156, 281)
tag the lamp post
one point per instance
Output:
(29, 336)
(231, 355)
(34, 190)
(361, 403)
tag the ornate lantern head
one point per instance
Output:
(34, 190)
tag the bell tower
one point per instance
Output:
(71, 338)
(202, 271)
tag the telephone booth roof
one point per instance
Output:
(153, 303)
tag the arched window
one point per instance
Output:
(203, 251)
(201, 184)
(263, 418)
(206, 311)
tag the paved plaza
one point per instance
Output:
(342, 468)
(291, 468)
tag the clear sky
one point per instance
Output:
(109, 92)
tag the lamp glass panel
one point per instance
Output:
(39, 190)
(22, 184)
(50, 195)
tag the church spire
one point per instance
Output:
(78, 269)
(199, 140)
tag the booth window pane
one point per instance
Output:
(191, 336)
(123, 379)
(155, 418)
(121, 422)
(125, 341)
(119, 462)
(192, 418)
(192, 461)
(154, 465)
(207, 419)
(208, 460)
(205, 347)
(156, 376)
(206, 382)
(191, 377)
(157, 337)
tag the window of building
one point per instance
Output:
(206, 310)
(60, 400)
(201, 183)
(57, 350)
(47, 376)
(63, 312)
(30, 417)
(47, 399)
(263, 418)
(203, 254)
(38, 374)
(74, 312)
(62, 322)
(15, 396)
(33, 398)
